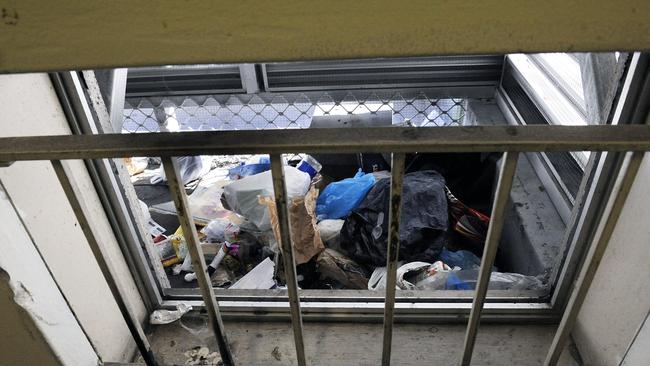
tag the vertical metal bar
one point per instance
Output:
(63, 174)
(595, 254)
(196, 254)
(284, 242)
(506, 176)
(394, 209)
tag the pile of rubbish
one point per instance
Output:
(339, 228)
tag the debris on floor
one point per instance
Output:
(261, 277)
(202, 356)
(167, 316)
(339, 228)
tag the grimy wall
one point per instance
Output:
(30, 107)
(618, 301)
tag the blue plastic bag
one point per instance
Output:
(464, 259)
(338, 199)
(244, 170)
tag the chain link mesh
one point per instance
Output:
(286, 110)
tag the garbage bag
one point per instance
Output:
(466, 280)
(190, 168)
(242, 195)
(336, 267)
(254, 165)
(330, 233)
(461, 258)
(168, 316)
(220, 230)
(338, 199)
(424, 221)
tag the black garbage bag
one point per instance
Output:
(424, 221)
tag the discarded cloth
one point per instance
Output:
(334, 266)
(466, 221)
(338, 199)
(424, 221)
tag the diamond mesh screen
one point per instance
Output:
(286, 110)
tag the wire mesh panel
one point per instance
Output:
(286, 110)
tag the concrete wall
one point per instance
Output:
(30, 107)
(36, 325)
(619, 299)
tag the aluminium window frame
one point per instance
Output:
(441, 306)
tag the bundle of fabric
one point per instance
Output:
(466, 221)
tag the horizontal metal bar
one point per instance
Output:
(394, 209)
(374, 312)
(380, 139)
(279, 188)
(177, 191)
(492, 240)
(361, 296)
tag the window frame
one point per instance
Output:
(439, 307)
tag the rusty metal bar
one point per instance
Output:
(595, 254)
(285, 243)
(177, 191)
(394, 209)
(70, 188)
(502, 195)
(379, 139)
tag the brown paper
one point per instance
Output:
(304, 231)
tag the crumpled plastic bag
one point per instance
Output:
(221, 230)
(330, 233)
(190, 168)
(466, 280)
(338, 199)
(168, 316)
(243, 195)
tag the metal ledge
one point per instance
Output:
(387, 139)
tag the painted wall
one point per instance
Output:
(36, 325)
(30, 107)
(619, 298)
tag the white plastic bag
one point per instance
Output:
(221, 230)
(330, 233)
(242, 195)
(190, 168)
(168, 316)
(408, 267)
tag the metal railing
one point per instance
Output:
(632, 139)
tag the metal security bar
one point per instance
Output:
(394, 209)
(504, 185)
(186, 219)
(635, 139)
(284, 241)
